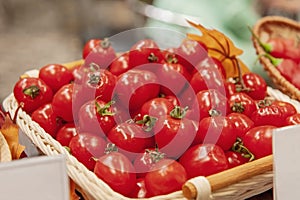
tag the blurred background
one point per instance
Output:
(34, 33)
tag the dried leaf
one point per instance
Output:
(11, 133)
(73, 195)
(221, 47)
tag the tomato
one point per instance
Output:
(85, 147)
(230, 88)
(207, 100)
(117, 171)
(203, 160)
(157, 107)
(33, 92)
(135, 87)
(207, 78)
(130, 138)
(258, 140)
(174, 133)
(120, 64)
(276, 47)
(143, 52)
(256, 85)
(287, 108)
(47, 119)
(190, 53)
(217, 130)
(242, 123)
(99, 84)
(62, 102)
(166, 176)
(242, 103)
(145, 160)
(220, 67)
(55, 76)
(139, 191)
(99, 52)
(268, 115)
(293, 120)
(96, 117)
(66, 133)
(235, 159)
(286, 67)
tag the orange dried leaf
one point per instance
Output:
(220, 47)
(11, 133)
(73, 195)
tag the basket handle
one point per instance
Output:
(230, 176)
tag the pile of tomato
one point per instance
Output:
(284, 53)
(149, 119)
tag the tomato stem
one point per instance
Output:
(152, 58)
(155, 155)
(94, 79)
(237, 107)
(110, 147)
(105, 110)
(32, 91)
(267, 47)
(147, 122)
(239, 147)
(178, 112)
(105, 43)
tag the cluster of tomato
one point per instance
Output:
(149, 119)
(284, 53)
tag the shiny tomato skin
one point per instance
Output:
(157, 107)
(173, 136)
(269, 115)
(242, 123)
(287, 108)
(217, 130)
(139, 191)
(99, 52)
(55, 76)
(235, 159)
(242, 103)
(204, 160)
(47, 119)
(258, 140)
(33, 92)
(66, 133)
(144, 52)
(130, 138)
(85, 147)
(166, 176)
(135, 87)
(62, 102)
(120, 64)
(117, 171)
(256, 84)
(293, 120)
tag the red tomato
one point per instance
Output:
(143, 52)
(235, 159)
(204, 160)
(135, 87)
(211, 99)
(269, 115)
(157, 107)
(55, 76)
(217, 130)
(190, 53)
(96, 117)
(66, 133)
(62, 102)
(139, 190)
(117, 171)
(120, 64)
(99, 52)
(293, 120)
(258, 141)
(47, 119)
(174, 133)
(256, 84)
(33, 92)
(207, 78)
(220, 67)
(130, 138)
(287, 108)
(99, 84)
(276, 47)
(242, 123)
(166, 176)
(145, 160)
(85, 147)
(242, 103)
(173, 76)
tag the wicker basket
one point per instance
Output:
(237, 183)
(269, 27)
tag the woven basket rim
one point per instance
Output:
(281, 82)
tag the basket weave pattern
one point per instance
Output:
(274, 26)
